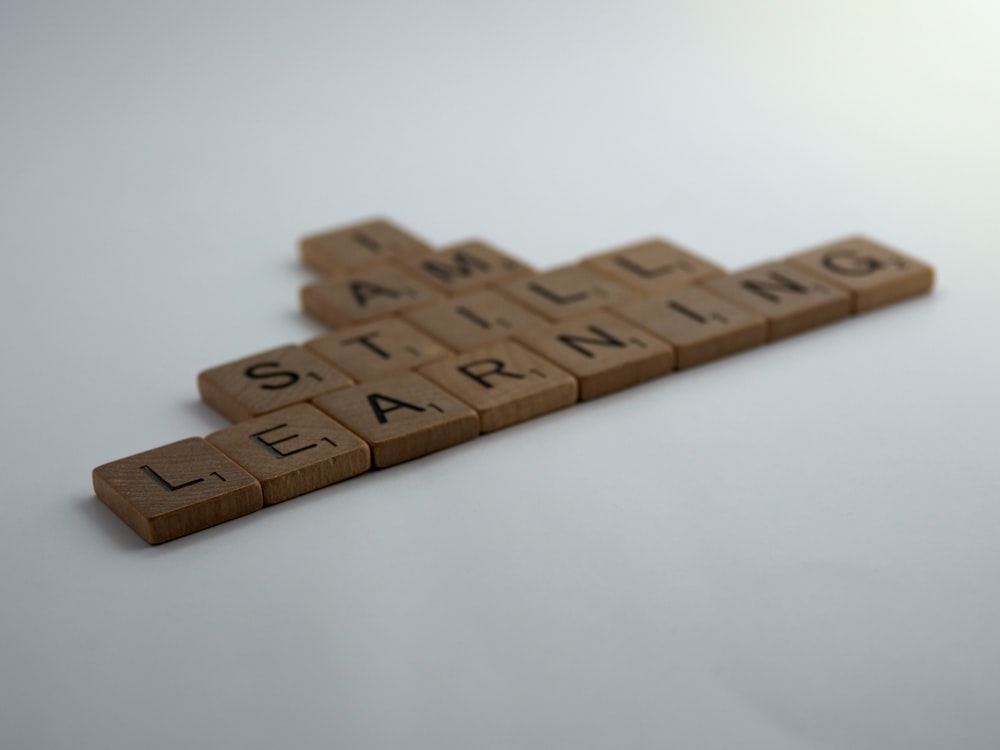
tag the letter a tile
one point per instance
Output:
(874, 274)
(268, 381)
(791, 299)
(364, 296)
(293, 451)
(506, 383)
(603, 352)
(176, 489)
(401, 417)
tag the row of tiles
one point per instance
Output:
(283, 446)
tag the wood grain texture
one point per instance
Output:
(653, 265)
(366, 295)
(603, 352)
(791, 299)
(293, 451)
(472, 320)
(505, 383)
(466, 266)
(268, 381)
(374, 350)
(402, 417)
(176, 489)
(874, 274)
(701, 326)
(565, 292)
(349, 248)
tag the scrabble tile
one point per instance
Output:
(365, 295)
(374, 350)
(791, 299)
(700, 325)
(875, 275)
(350, 248)
(602, 351)
(466, 266)
(505, 383)
(473, 320)
(401, 417)
(653, 265)
(268, 381)
(176, 489)
(293, 451)
(565, 292)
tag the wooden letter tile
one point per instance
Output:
(402, 417)
(268, 381)
(363, 296)
(505, 383)
(700, 325)
(874, 274)
(349, 248)
(293, 451)
(474, 320)
(653, 265)
(564, 292)
(466, 266)
(603, 352)
(377, 349)
(176, 489)
(791, 299)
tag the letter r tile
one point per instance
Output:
(505, 383)
(603, 352)
(176, 489)
(875, 275)
(293, 451)
(268, 381)
(401, 417)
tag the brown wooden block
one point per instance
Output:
(293, 451)
(402, 417)
(791, 299)
(700, 325)
(653, 265)
(466, 266)
(874, 274)
(374, 350)
(176, 489)
(352, 247)
(363, 296)
(475, 319)
(505, 383)
(268, 381)
(602, 351)
(565, 292)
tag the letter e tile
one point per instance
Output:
(874, 274)
(293, 451)
(506, 383)
(268, 381)
(602, 351)
(401, 417)
(176, 489)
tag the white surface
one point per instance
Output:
(792, 548)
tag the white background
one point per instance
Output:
(792, 548)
